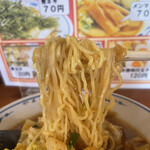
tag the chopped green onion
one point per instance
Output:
(73, 139)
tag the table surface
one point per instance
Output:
(10, 94)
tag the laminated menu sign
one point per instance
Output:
(49, 8)
(26, 24)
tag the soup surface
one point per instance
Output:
(130, 138)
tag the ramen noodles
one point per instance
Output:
(74, 78)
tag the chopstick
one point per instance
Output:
(137, 56)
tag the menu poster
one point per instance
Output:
(26, 24)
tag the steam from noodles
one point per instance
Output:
(74, 78)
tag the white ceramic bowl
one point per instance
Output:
(130, 111)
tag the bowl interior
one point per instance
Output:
(128, 110)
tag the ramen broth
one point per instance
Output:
(131, 137)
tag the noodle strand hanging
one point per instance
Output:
(74, 78)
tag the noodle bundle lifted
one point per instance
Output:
(74, 78)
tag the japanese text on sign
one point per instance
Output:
(140, 11)
(136, 73)
(54, 7)
(21, 72)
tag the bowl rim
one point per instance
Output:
(37, 95)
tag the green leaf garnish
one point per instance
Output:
(73, 139)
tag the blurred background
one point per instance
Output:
(26, 24)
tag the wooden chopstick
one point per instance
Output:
(137, 56)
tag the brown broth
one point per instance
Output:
(129, 131)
